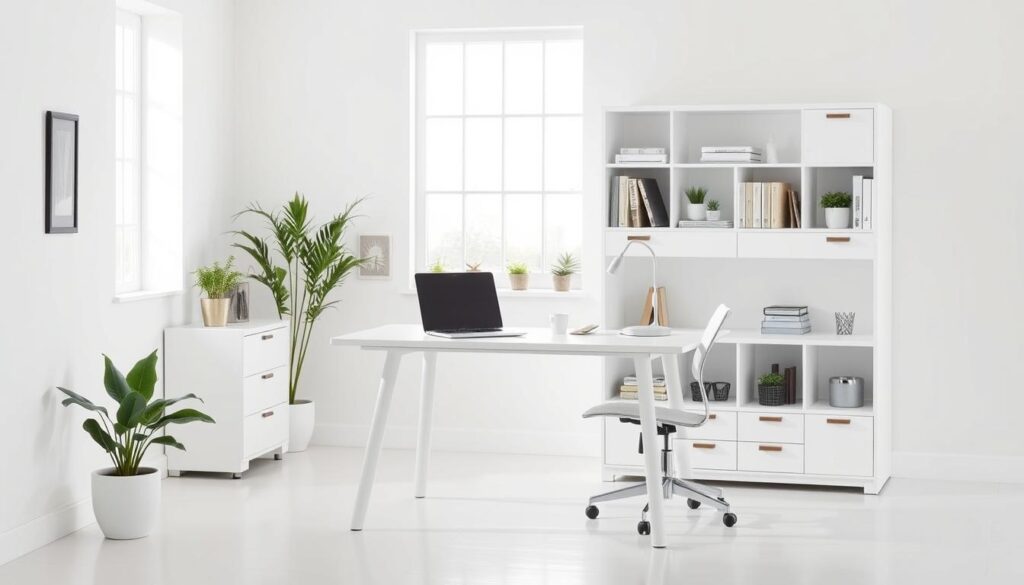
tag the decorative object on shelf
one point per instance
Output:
(730, 154)
(238, 312)
(657, 329)
(629, 387)
(217, 282)
(714, 212)
(647, 316)
(837, 209)
(770, 389)
(562, 271)
(61, 173)
(696, 209)
(518, 275)
(316, 262)
(473, 266)
(126, 497)
(785, 320)
(376, 250)
(844, 323)
(846, 391)
(771, 152)
(437, 266)
(716, 391)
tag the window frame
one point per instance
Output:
(130, 19)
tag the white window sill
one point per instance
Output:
(529, 294)
(143, 295)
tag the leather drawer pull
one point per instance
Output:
(643, 238)
(834, 239)
(268, 414)
(837, 421)
(267, 376)
(712, 416)
(703, 445)
(267, 336)
(770, 418)
(769, 448)
(837, 115)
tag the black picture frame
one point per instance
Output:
(61, 173)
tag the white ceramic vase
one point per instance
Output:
(837, 218)
(714, 215)
(126, 507)
(697, 211)
(301, 419)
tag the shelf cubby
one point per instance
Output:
(753, 360)
(821, 180)
(635, 129)
(695, 129)
(661, 173)
(717, 180)
(821, 363)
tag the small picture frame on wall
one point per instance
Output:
(61, 173)
(376, 249)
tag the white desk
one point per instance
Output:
(398, 340)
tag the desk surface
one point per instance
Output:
(536, 340)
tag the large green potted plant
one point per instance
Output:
(217, 282)
(126, 496)
(305, 265)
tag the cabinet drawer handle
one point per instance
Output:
(770, 418)
(268, 414)
(267, 336)
(769, 448)
(642, 238)
(835, 239)
(837, 115)
(267, 376)
(703, 445)
(837, 421)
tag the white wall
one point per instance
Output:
(325, 110)
(57, 290)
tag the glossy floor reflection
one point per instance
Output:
(519, 520)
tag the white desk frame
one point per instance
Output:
(399, 340)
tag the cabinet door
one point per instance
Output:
(839, 445)
(839, 137)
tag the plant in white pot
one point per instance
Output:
(714, 211)
(695, 209)
(837, 209)
(306, 265)
(562, 271)
(217, 282)
(519, 275)
(126, 497)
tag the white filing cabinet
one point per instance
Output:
(241, 373)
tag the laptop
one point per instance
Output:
(460, 305)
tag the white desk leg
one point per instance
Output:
(373, 443)
(652, 451)
(426, 417)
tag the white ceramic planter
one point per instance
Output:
(301, 419)
(697, 211)
(126, 507)
(837, 218)
(714, 215)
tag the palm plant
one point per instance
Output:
(566, 265)
(134, 427)
(306, 265)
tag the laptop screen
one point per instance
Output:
(458, 300)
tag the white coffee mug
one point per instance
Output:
(559, 323)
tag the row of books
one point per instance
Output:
(863, 202)
(629, 387)
(641, 155)
(768, 206)
(730, 154)
(785, 320)
(636, 202)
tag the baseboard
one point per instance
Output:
(467, 440)
(987, 468)
(45, 529)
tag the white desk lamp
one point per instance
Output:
(653, 330)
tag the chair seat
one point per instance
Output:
(631, 410)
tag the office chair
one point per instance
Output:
(668, 420)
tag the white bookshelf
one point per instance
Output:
(820, 148)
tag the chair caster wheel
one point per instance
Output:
(692, 504)
(643, 528)
(592, 512)
(729, 519)
(236, 476)
(278, 456)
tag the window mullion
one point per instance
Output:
(543, 154)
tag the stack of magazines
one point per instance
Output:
(730, 154)
(785, 320)
(705, 223)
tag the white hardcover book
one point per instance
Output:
(757, 205)
(643, 150)
(641, 158)
(744, 149)
(868, 196)
(858, 185)
(740, 204)
(766, 205)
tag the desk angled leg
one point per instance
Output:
(373, 444)
(426, 418)
(652, 455)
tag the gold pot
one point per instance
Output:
(519, 281)
(562, 282)
(215, 311)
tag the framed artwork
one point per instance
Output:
(377, 250)
(61, 173)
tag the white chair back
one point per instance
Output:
(706, 341)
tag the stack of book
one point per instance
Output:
(636, 202)
(649, 155)
(707, 223)
(785, 320)
(863, 202)
(768, 206)
(629, 386)
(730, 154)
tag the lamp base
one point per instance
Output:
(646, 331)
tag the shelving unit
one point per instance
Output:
(820, 147)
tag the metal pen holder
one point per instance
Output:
(844, 323)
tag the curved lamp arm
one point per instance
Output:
(614, 266)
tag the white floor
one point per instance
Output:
(519, 519)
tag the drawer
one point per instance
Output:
(720, 426)
(839, 445)
(621, 442)
(850, 246)
(772, 457)
(263, 390)
(699, 454)
(839, 137)
(706, 243)
(264, 351)
(771, 427)
(266, 430)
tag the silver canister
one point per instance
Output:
(846, 391)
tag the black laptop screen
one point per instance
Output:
(459, 300)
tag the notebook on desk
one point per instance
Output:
(460, 305)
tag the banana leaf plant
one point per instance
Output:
(138, 419)
(306, 264)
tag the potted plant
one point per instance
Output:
(770, 391)
(837, 209)
(217, 282)
(714, 213)
(126, 496)
(519, 275)
(695, 209)
(437, 266)
(309, 262)
(562, 271)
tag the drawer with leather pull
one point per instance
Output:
(839, 137)
(264, 351)
(771, 427)
(772, 457)
(263, 390)
(839, 445)
(720, 426)
(266, 429)
(701, 454)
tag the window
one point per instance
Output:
(128, 178)
(498, 166)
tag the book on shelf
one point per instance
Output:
(730, 149)
(789, 384)
(623, 202)
(643, 150)
(613, 203)
(784, 331)
(794, 209)
(858, 185)
(867, 206)
(707, 223)
(641, 158)
(653, 203)
(785, 310)
(786, 318)
(802, 324)
(637, 215)
(632, 395)
(730, 157)
(756, 205)
(632, 381)
(771, 205)
(636, 202)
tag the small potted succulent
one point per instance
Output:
(770, 391)
(562, 271)
(437, 266)
(714, 211)
(837, 209)
(519, 275)
(696, 209)
(217, 282)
